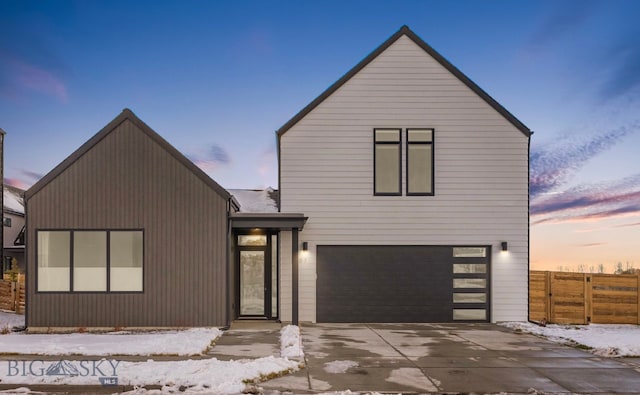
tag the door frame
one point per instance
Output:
(268, 273)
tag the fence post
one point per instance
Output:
(547, 289)
(17, 301)
(12, 299)
(588, 298)
(638, 295)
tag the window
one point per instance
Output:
(387, 169)
(6, 222)
(419, 162)
(90, 261)
(54, 261)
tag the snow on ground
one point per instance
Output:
(9, 320)
(186, 342)
(206, 376)
(339, 366)
(203, 376)
(290, 342)
(604, 340)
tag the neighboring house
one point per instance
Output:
(400, 187)
(412, 178)
(13, 223)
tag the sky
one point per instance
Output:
(217, 78)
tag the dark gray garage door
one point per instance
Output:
(402, 284)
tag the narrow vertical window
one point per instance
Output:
(54, 261)
(419, 161)
(126, 260)
(89, 261)
(386, 167)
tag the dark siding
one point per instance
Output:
(129, 181)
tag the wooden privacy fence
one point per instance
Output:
(582, 298)
(12, 296)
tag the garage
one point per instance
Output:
(403, 283)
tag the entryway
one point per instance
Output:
(257, 268)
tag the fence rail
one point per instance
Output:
(582, 298)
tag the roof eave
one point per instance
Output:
(126, 114)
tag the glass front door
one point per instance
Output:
(252, 283)
(257, 268)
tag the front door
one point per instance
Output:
(257, 290)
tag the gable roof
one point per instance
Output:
(125, 115)
(405, 31)
(13, 200)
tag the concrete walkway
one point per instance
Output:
(459, 358)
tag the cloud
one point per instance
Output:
(552, 166)
(624, 73)
(628, 225)
(33, 176)
(591, 244)
(17, 76)
(212, 158)
(15, 182)
(589, 202)
(565, 19)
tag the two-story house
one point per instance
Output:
(403, 197)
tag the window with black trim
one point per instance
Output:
(419, 162)
(90, 260)
(387, 162)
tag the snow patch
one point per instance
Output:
(13, 201)
(255, 200)
(187, 342)
(9, 320)
(339, 366)
(290, 342)
(603, 340)
(412, 377)
(205, 376)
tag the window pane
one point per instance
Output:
(387, 168)
(53, 261)
(420, 135)
(390, 135)
(469, 283)
(469, 252)
(252, 240)
(469, 298)
(126, 260)
(419, 168)
(469, 268)
(90, 261)
(469, 314)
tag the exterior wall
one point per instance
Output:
(10, 234)
(286, 267)
(481, 172)
(129, 181)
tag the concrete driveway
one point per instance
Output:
(448, 358)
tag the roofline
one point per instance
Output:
(125, 115)
(277, 220)
(404, 30)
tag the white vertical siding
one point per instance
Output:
(285, 275)
(481, 173)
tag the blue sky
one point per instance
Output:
(216, 79)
